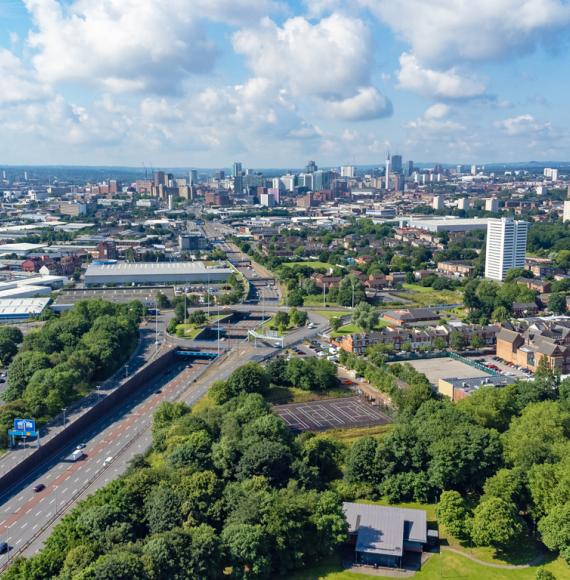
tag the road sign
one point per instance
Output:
(24, 425)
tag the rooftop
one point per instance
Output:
(22, 306)
(149, 268)
(383, 529)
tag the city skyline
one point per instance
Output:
(189, 83)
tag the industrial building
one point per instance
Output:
(14, 310)
(447, 224)
(122, 273)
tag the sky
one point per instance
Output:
(274, 83)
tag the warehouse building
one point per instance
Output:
(123, 273)
(13, 310)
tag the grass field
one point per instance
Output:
(328, 314)
(425, 296)
(191, 331)
(283, 395)
(443, 566)
(311, 264)
(317, 300)
(351, 434)
(352, 328)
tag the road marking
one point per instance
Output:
(52, 501)
(26, 513)
(24, 525)
(38, 513)
(34, 527)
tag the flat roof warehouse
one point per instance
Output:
(154, 273)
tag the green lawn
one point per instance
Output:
(328, 314)
(350, 434)
(442, 566)
(352, 328)
(191, 331)
(283, 395)
(317, 300)
(426, 296)
(311, 264)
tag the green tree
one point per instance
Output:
(162, 300)
(295, 297)
(361, 465)
(457, 341)
(495, 524)
(21, 370)
(247, 550)
(336, 323)
(351, 291)
(162, 507)
(197, 317)
(115, 566)
(476, 341)
(365, 316)
(544, 574)
(8, 349)
(452, 512)
(555, 530)
(281, 320)
(11, 333)
(532, 437)
(439, 343)
(557, 303)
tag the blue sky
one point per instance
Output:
(274, 83)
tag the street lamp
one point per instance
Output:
(64, 410)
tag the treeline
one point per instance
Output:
(499, 460)
(60, 362)
(228, 492)
(308, 374)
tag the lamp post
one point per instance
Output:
(64, 410)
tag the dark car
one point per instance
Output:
(3, 547)
(39, 487)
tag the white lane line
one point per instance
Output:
(26, 513)
(34, 527)
(18, 541)
(37, 513)
(24, 525)
(43, 498)
(52, 501)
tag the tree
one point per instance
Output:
(361, 466)
(298, 317)
(319, 461)
(281, 320)
(351, 291)
(336, 323)
(439, 343)
(495, 523)
(476, 341)
(197, 317)
(11, 333)
(247, 551)
(509, 485)
(555, 530)
(557, 303)
(8, 349)
(533, 436)
(115, 566)
(365, 316)
(162, 507)
(453, 514)
(249, 378)
(457, 340)
(180, 312)
(295, 297)
(544, 574)
(270, 459)
(21, 370)
(162, 300)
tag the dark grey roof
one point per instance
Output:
(383, 529)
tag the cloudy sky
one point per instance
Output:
(274, 83)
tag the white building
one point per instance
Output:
(566, 214)
(267, 200)
(347, 171)
(123, 273)
(492, 204)
(437, 202)
(506, 246)
(463, 203)
(551, 172)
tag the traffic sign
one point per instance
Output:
(24, 425)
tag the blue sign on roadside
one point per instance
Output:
(24, 425)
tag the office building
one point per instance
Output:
(410, 168)
(158, 178)
(506, 246)
(438, 202)
(492, 204)
(474, 170)
(387, 172)
(267, 200)
(397, 164)
(322, 180)
(311, 167)
(237, 175)
(193, 177)
(192, 241)
(566, 214)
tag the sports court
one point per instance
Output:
(330, 414)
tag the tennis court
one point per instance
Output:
(331, 414)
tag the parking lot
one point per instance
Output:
(331, 414)
(445, 368)
(503, 367)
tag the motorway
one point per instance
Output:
(26, 517)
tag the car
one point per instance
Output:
(81, 446)
(39, 487)
(4, 547)
(159, 391)
(107, 461)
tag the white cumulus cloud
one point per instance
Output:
(525, 125)
(368, 103)
(444, 32)
(18, 84)
(131, 45)
(446, 84)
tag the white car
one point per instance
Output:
(107, 461)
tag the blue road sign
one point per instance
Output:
(24, 425)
